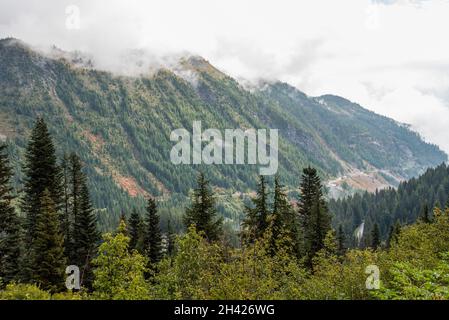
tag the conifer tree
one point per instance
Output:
(390, 237)
(123, 219)
(10, 239)
(203, 213)
(41, 173)
(153, 238)
(86, 237)
(67, 223)
(397, 229)
(170, 239)
(74, 178)
(77, 179)
(282, 219)
(135, 231)
(79, 222)
(310, 190)
(256, 220)
(425, 214)
(47, 251)
(394, 234)
(319, 225)
(313, 212)
(341, 240)
(375, 236)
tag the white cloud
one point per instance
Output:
(390, 56)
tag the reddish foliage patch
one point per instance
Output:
(131, 186)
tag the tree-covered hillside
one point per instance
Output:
(411, 201)
(120, 127)
(355, 136)
(285, 250)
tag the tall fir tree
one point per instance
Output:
(375, 236)
(203, 213)
(135, 231)
(67, 222)
(79, 222)
(41, 173)
(77, 179)
(153, 238)
(87, 237)
(282, 219)
(319, 225)
(47, 249)
(73, 179)
(256, 221)
(313, 214)
(10, 233)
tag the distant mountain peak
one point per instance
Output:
(15, 44)
(12, 41)
(199, 64)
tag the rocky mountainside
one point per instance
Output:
(121, 125)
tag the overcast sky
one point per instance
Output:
(389, 56)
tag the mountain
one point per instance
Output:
(120, 126)
(364, 150)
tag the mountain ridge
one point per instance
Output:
(120, 125)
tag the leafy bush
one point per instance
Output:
(19, 291)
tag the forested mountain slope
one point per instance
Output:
(354, 135)
(120, 126)
(404, 205)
